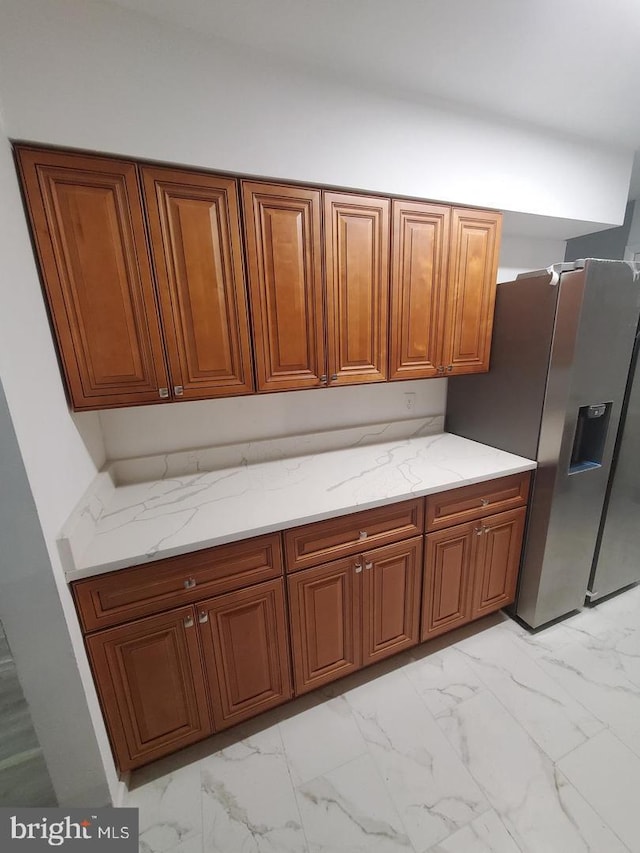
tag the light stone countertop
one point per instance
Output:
(132, 523)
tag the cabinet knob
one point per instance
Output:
(323, 379)
(440, 368)
(189, 583)
(358, 568)
(203, 617)
(163, 392)
(363, 534)
(334, 376)
(450, 368)
(178, 390)
(484, 502)
(478, 531)
(188, 622)
(368, 565)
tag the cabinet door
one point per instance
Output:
(357, 269)
(246, 652)
(450, 557)
(498, 561)
(194, 223)
(471, 292)
(324, 607)
(284, 254)
(88, 226)
(418, 277)
(150, 681)
(391, 599)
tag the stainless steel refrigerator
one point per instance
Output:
(561, 390)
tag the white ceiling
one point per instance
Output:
(570, 65)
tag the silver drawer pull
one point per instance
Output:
(368, 565)
(178, 390)
(163, 392)
(203, 617)
(478, 531)
(188, 622)
(484, 502)
(189, 583)
(358, 568)
(363, 534)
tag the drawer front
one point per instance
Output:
(324, 541)
(456, 506)
(127, 594)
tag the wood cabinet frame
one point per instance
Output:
(157, 310)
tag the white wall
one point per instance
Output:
(162, 429)
(91, 75)
(523, 254)
(61, 452)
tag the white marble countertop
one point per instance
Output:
(132, 523)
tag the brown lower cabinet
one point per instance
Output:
(194, 644)
(151, 685)
(470, 570)
(353, 612)
(246, 653)
(158, 677)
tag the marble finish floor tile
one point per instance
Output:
(443, 680)
(248, 801)
(432, 790)
(170, 811)
(485, 834)
(541, 811)
(551, 716)
(597, 678)
(488, 740)
(607, 774)
(337, 739)
(349, 810)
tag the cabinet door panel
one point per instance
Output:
(284, 252)
(87, 218)
(151, 684)
(419, 268)
(324, 605)
(357, 269)
(448, 575)
(473, 266)
(246, 652)
(499, 561)
(194, 221)
(391, 599)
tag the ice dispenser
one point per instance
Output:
(590, 437)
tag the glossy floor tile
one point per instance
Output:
(488, 740)
(24, 778)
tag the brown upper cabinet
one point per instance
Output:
(443, 289)
(418, 288)
(307, 334)
(194, 224)
(357, 270)
(284, 255)
(143, 268)
(89, 232)
(471, 290)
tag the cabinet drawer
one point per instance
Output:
(468, 502)
(328, 540)
(127, 594)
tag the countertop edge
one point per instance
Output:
(88, 571)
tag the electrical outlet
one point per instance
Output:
(409, 400)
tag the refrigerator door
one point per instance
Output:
(580, 417)
(617, 564)
(503, 408)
